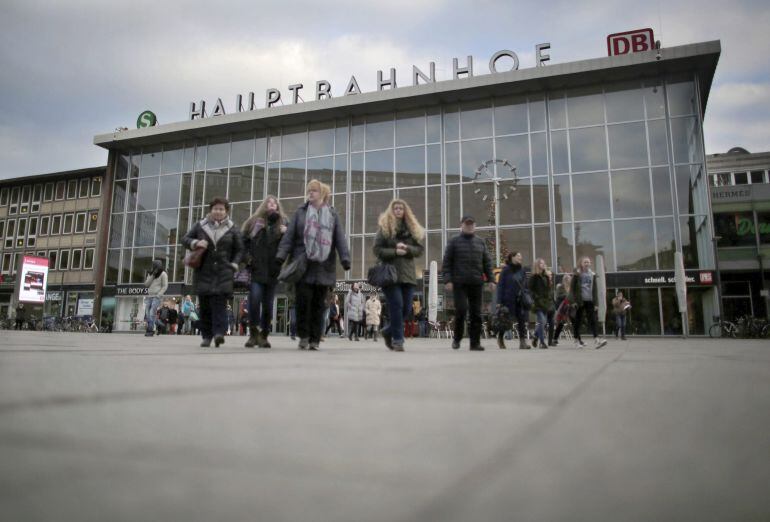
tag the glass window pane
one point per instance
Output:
(654, 100)
(239, 184)
(340, 205)
(536, 114)
(511, 115)
(119, 197)
(240, 212)
(172, 160)
(321, 169)
(150, 161)
(356, 257)
(514, 205)
(588, 149)
(685, 135)
(168, 193)
(635, 244)
(121, 168)
(274, 146)
(415, 198)
(452, 162)
(166, 232)
(341, 173)
(294, 142)
(476, 120)
(515, 149)
(539, 153)
(585, 107)
(216, 185)
(434, 208)
(218, 152)
(357, 134)
(475, 205)
(757, 176)
(356, 211)
(686, 180)
(342, 135)
(592, 239)
(434, 125)
(370, 259)
(681, 98)
(451, 123)
(696, 241)
(379, 170)
(142, 263)
(258, 184)
(658, 142)
(376, 203)
(540, 199)
(434, 165)
(591, 196)
(543, 243)
(148, 193)
(735, 229)
(379, 131)
(291, 205)
(631, 193)
(242, 150)
(128, 229)
(410, 128)
(741, 178)
(410, 167)
(356, 172)
(434, 249)
(661, 191)
(321, 139)
(644, 316)
(145, 229)
(260, 147)
(113, 262)
(184, 223)
(474, 153)
(516, 240)
(625, 102)
(292, 179)
(453, 207)
(557, 112)
(559, 152)
(628, 145)
(187, 160)
(562, 198)
(199, 185)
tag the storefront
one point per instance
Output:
(601, 157)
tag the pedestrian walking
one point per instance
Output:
(513, 293)
(187, 311)
(620, 306)
(562, 306)
(156, 282)
(583, 295)
(173, 317)
(334, 316)
(541, 288)
(354, 310)
(373, 309)
(399, 242)
(316, 233)
(213, 279)
(20, 317)
(262, 234)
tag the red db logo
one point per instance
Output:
(705, 278)
(630, 42)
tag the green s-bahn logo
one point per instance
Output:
(146, 119)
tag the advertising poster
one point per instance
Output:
(33, 279)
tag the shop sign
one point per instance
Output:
(656, 279)
(146, 119)
(731, 194)
(323, 87)
(53, 296)
(635, 41)
(131, 290)
(746, 227)
(345, 286)
(85, 307)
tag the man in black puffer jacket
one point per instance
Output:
(466, 266)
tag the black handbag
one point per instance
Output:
(382, 274)
(293, 271)
(525, 299)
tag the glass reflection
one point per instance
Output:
(562, 197)
(628, 145)
(148, 193)
(452, 162)
(166, 232)
(434, 164)
(666, 245)
(150, 161)
(410, 166)
(681, 98)
(559, 152)
(433, 208)
(410, 128)
(433, 124)
(662, 192)
(453, 205)
(476, 120)
(172, 160)
(341, 136)
(216, 184)
(543, 244)
(654, 101)
(341, 173)
(218, 152)
(540, 199)
(451, 123)
(379, 170)
(474, 153)
(356, 213)
(415, 198)
(356, 172)
(379, 131)
(658, 143)
(584, 107)
(294, 142)
(321, 139)
(376, 203)
(145, 229)
(239, 184)
(516, 208)
(141, 265)
(260, 147)
(516, 240)
(242, 149)
(631, 193)
(625, 102)
(515, 149)
(258, 186)
(168, 192)
(321, 169)
(591, 196)
(685, 135)
(588, 149)
(292, 179)
(510, 115)
(557, 112)
(474, 204)
(357, 134)
(593, 239)
(635, 244)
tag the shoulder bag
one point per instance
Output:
(382, 274)
(293, 270)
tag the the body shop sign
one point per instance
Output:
(33, 279)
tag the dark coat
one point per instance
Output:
(293, 243)
(385, 250)
(261, 250)
(513, 279)
(467, 261)
(215, 275)
(576, 296)
(540, 287)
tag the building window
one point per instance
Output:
(21, 231)
(7, 262)
(757, 176)
(13, 210)
(56, 225)
(64, 260)
(40, 253)
(61, 189)
(741, 178)
(72, 189)
(80, 223)
(3, 196)
(10, 233)
(52, 256)
(84, 188)
(96, 187)
(15, 192)
(68, 220)
(48, 192)
(37, 193)
(32, 232)
(88, 259)
(45, 222)
(2, 228)
(77, 259)
(26, 192)
(93, 221)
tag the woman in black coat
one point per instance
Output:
(513, 281)
(315, 232)
(213, 280)
(262, 234)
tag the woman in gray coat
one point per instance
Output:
(314, 231)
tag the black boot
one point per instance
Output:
(252, 341)
(262, 339)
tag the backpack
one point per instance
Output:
(164, 314)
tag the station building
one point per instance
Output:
(597, 157)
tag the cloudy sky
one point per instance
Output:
(71, 70)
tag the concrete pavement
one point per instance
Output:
(123, 428)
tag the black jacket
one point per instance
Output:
(576, 295)
(215, 275)
(513, 279)
(467, 261)
(293, 244)
(262, 250)
(540, 287)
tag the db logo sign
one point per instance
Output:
(630, 42)
(705, 278)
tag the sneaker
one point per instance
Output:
(303, 343)
(598, 343)
(219, 339)
(477, 348)
(455, 344)
(398, 347)
(312, 347)
(579, 344)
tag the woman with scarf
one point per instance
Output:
(510, 287)
(399, 242)
(213, 279)
(315, 232)
(262, 234)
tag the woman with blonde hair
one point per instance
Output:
(399, 242)
(315, 232)
(262, 234)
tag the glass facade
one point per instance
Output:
(615, 169)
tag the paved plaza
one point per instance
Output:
(100, 427)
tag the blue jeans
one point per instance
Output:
(620, 325)
(151, 305)
(540, 326)
(261, 299)
(400, 307)
(293, 321)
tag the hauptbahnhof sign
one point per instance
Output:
(323, 87)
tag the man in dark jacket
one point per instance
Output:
(466, 266)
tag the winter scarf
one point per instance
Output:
(319, 227)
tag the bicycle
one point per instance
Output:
(722, 328)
